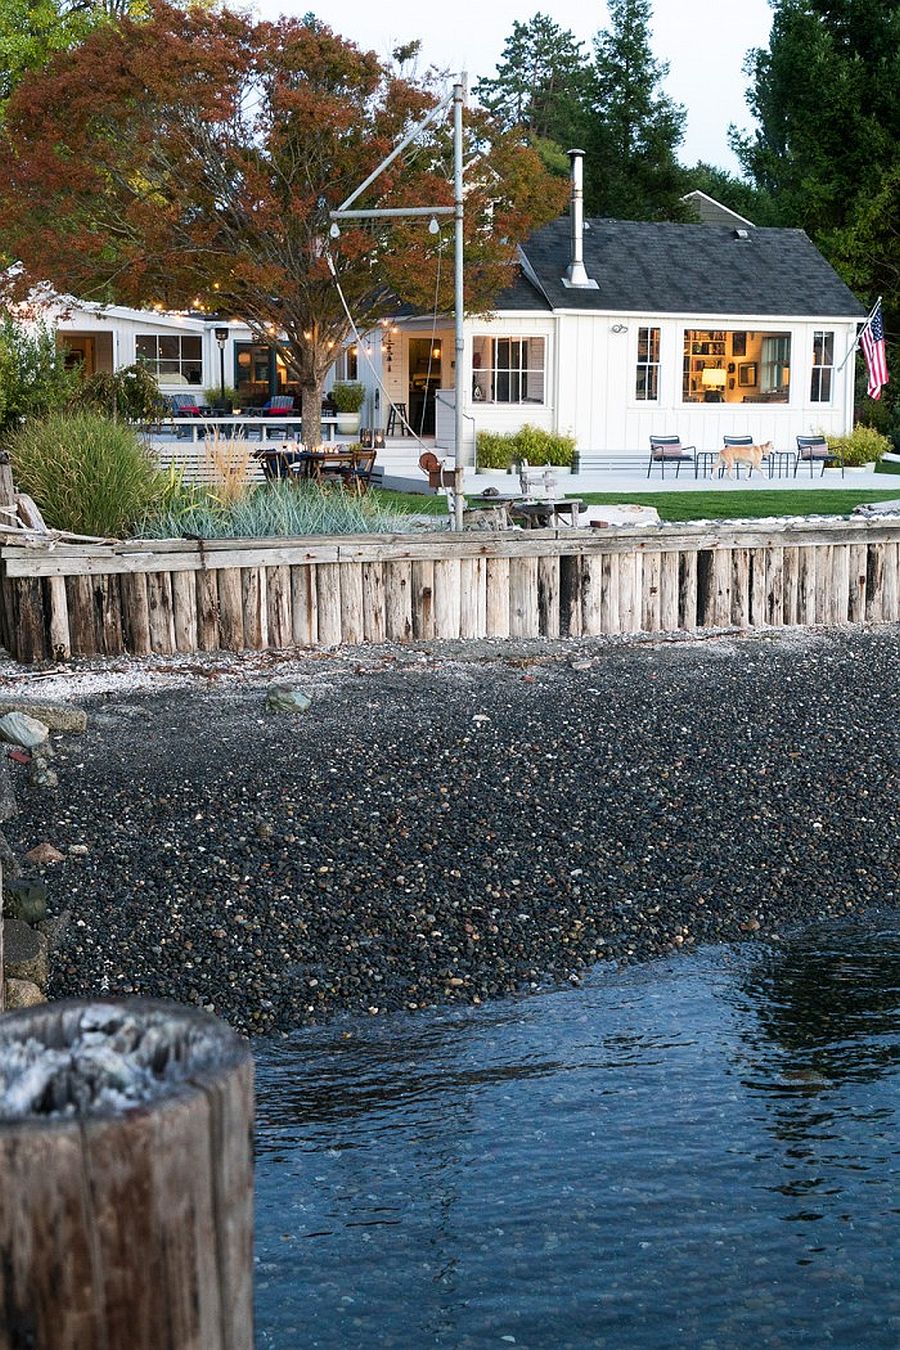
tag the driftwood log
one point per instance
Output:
(125, 1156)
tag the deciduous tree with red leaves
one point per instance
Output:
(198, 154)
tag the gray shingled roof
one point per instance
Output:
(660, 268)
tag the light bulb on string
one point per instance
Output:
(433, 226)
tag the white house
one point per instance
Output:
(616, 330)
(181, 350)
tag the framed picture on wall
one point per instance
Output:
(747, 374)
(739, 344)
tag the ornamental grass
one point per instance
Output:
(273, 510)
(86, 473)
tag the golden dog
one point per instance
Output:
(751, 455)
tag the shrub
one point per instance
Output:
(33, 375)
(86, 473)
(862, 446)
(273, 510)
(498, 450)
(348, 397)
(131, 393)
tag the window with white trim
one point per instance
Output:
(508, 370)
(823, 366)
(174, 358)
(647, 378)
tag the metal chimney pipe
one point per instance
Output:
(575, 273)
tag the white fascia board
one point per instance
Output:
(751, 321)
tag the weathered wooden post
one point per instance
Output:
(126, 1174)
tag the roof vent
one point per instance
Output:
(742, 234)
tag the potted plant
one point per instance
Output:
(214, 398)
(348, 397)
(862, 449)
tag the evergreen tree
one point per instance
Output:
(542, 86)
(632, 170)
(823, 97)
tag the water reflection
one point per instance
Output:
(699, 1152)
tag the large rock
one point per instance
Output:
(24, 953)
(286, 698)
(17, 728)
(25, 898)
(44, 853)
(56, 716)
(22, 994)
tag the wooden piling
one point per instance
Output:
(163, 596)
(128, 1229)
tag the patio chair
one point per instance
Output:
(359, 475)
(280, 405)
(184, 405)
(281, 461)
(815, 450)
(669, 450)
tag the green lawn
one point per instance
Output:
(696, 505)
(745, 505)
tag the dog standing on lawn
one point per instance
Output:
(751, 455)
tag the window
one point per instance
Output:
(775, 377)
(647, 382)
(736, 366)
(174, 358)
(508, 370)
(823, 367)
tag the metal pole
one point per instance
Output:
(397, 150)
(389, 211)
(459, 98)
(222, 371)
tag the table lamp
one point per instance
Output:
(713, 381)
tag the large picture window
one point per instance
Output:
(728, 366)
(647, 379)
(823, 367)
(174, 358)
(508, 370)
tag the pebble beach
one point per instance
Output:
(455, 822)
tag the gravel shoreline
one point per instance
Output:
(453, 823)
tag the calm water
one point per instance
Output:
(702, 1152)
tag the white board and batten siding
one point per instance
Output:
(597, 377)
(591, 383)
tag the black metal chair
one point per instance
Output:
(669, 450)
(815, 450)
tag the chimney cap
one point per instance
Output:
(573, 153)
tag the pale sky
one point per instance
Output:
(703, 41)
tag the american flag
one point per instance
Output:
(871, 339)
